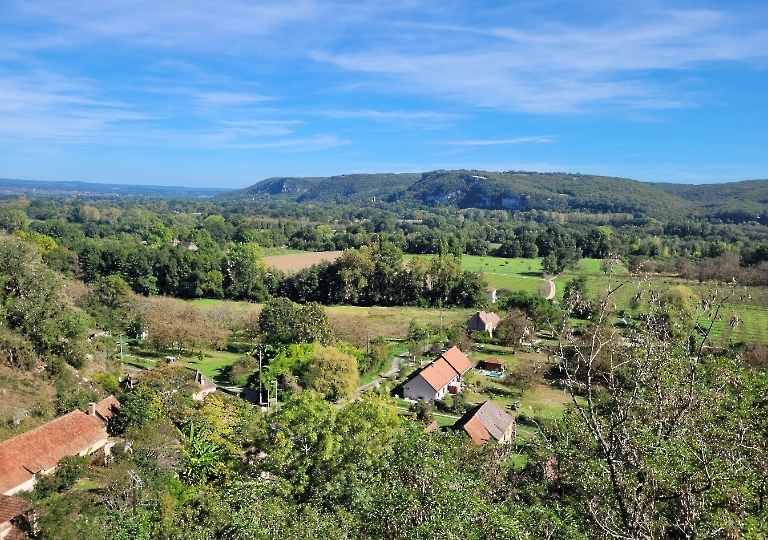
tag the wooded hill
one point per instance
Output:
(735, 202)
(345, 188)
(518, 190)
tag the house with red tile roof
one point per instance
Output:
(26, 457)
(207, 386)
(14, 518)
(439, 378)
(485, 322)
(104, 410)
(485, 422)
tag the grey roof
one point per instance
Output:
(495, 420)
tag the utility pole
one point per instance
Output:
(261, 351)
(136, 483)
(275, 383)
(367, 341)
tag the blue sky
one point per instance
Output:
(228, 93)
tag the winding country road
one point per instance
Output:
(394, 370)
(551, 294)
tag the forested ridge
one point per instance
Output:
(733, 202)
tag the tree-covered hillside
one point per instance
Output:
(475, 189)
(545, 191)
(345, 188)
(734, 202)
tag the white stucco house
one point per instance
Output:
(441, 377)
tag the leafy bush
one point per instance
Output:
(68, 472)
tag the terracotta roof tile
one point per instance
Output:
(107, 408)
(15, 534)
(485, 421)
(489, 318)
(495, 361)
(457, 359)
(476, 430)
(11, 507)
(438, 374)
(204, 382)
(42, 448)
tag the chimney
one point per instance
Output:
(91, 409)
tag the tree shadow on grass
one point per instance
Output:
(503, 393)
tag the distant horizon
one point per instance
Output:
(235, 188)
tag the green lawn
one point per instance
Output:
(275, 251)
(213, 362)
(501, 272)
(594, 267)
(508, 266)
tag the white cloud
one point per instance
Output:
(370, 114)
(554, 66)
(209, 58)
(48, 107)
(496, 142)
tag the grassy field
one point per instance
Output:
(748, 304)
(211, 365)
(541, 400)
(502, 273)
(276, 251)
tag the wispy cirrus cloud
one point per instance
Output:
(369, 76)
(388, 115)
(497, 142)
(197, 24)
(555, 67)
(47, 107)
(515, 58)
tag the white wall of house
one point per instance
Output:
(417, 388)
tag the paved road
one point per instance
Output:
(388, 375)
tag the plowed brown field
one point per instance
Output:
(293, 263)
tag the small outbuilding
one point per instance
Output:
(485, 422)
(207, 386)
(494, 364)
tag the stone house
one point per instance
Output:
(485, 422)
(485, 322)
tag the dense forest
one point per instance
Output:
(735, 202)
(663, 427)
